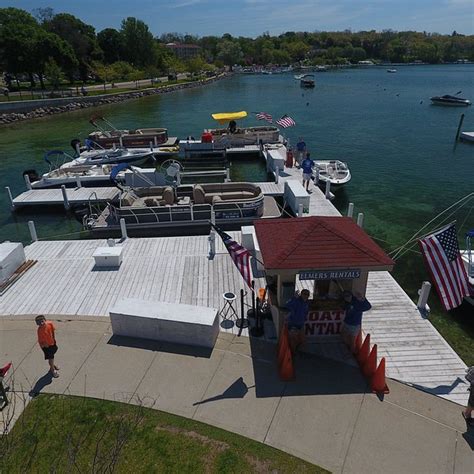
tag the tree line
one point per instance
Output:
(62, 47)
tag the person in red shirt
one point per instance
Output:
(47, 342)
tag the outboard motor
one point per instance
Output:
(32, 175)
(76, 144)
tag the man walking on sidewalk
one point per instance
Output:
(47, 342)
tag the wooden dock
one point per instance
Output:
(55, 197)
(177, 270)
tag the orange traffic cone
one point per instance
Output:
(283, 344)
(378, 384)
(286, 370)
(364, 351)
(368, 369)
(358, 343)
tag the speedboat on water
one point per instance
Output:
(183, 207)
(450, 100)
(307, 81)
(61, 173)
(392, 71)
(111, 156)
(335, 171)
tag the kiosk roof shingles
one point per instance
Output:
(318, 243)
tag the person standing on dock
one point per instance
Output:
(467, 412)
(299, 308)
(355, 305)
(47, 342)
(300, 151)
(307, 165)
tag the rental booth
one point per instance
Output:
(326, 255)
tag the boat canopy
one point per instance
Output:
(226, 117)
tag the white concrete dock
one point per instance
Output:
(177, 270)
(55, 197)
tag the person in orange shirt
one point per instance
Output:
(47, 342)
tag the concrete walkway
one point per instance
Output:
(327, 416)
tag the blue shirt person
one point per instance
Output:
(300, 150)
(355, 306)
(299, 308)
(307, 166)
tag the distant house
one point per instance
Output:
(366, 63)
(184, 51)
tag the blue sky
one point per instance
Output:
(253, 17)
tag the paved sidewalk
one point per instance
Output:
(327, 416)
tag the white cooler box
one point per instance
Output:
(12, 256)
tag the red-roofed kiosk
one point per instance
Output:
(327, 255)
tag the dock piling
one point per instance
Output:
(277, 174)
(300, 210)
(328, 190)
(123, 228)
(78, 181)
(27, 181)
(422, 304)
(34, 235)
(316, 176)
(151, 145)
(360, 219)
(65, 199)
(10, 197)
(156, 141)
(121, 142)
(350, 210)
(461, 120)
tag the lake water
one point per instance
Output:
(399, 147)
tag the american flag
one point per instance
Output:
(264, 116)
(286, 121)
(444, 261)
(240, 255)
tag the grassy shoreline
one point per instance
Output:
(58, 433)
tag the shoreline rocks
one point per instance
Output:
(76, 103)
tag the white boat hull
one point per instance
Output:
(334, 171)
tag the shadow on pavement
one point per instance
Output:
(440, 389)
(469, 436)
(238, 389)
(159, 346)
(46, 379)
(314, 375)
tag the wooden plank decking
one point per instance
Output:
(175, 270)
(54, 197)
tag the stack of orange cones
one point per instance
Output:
(378, 383)
(285, 359)
(357, 343)
(368, 369)
(363, 353)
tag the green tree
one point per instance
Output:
(80, 36)
(53, 73)
(138, 43)
(229, 53)
(111, 43)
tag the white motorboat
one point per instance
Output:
(392, 71)
(307, 81)
(450, 100)
(335, 171)
(467, 136)
(86, 170)
(298, 77)
(111, 156)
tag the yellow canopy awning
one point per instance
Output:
(228, 116)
